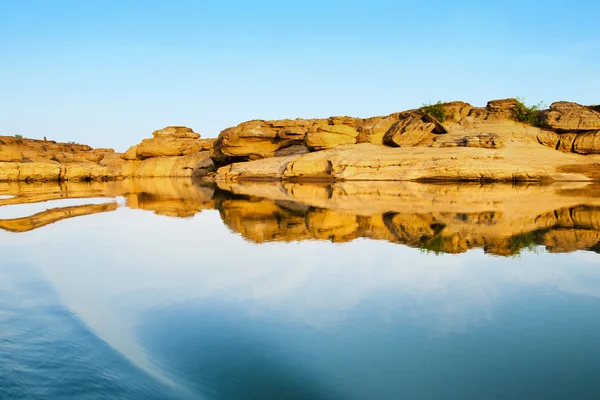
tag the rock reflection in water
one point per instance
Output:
(451, 218)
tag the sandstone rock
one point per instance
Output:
(476, 114)
(39, 171)
(84, 172)
(167, 147)
(567, 116)
(321, 136)
(180, 132)
(566, 141)
(9, 154)
(587, 143)
(408, 132)
(501, 109)
(184, 166)
(456, 110)
(439, 128)
(259, 139)
(518, 162)
(374, 129)
(481, 140)
(131, 153)
(348, 121)
(294, 149)
(9, 171)
(549, 138)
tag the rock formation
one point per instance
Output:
(470, 144)
(452, 141)
(172, 152)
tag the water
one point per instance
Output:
(164, 289)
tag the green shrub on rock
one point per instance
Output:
(436, 110)
(528, 114)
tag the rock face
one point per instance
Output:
(173, 152)
(328, 136)
(9, 154)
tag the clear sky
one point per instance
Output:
(108, 73)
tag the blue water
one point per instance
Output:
(129, 304)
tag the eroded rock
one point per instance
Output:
(568, 116)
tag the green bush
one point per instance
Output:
(436, 110)
(73, 142)
(18, 137)
(528, 114)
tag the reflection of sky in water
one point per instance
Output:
(188, 301)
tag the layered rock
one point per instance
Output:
(174, 151)
(471, 144)
(467, 143)
(566, 116)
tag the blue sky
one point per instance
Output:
(108, 73)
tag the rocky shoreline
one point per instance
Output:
(467, 144)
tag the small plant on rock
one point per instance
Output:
(528, 114)
(71, 142)
(18, 137)
(436, 110)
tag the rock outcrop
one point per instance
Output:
(449, 141)
(482, 144)
(172, 152)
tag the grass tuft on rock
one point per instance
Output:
(18, 137)
(436, 110)
(528, 114)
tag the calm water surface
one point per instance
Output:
(166, 289)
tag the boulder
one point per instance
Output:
(439, 128)
(566, 141)
(180, 132)
(548, 138)
(131, 153)
(587, 143)
(408, 132)
(374, 129)
(167, 147)
(456, 110)
(501, 109)
(566, 116)
(259, 139)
